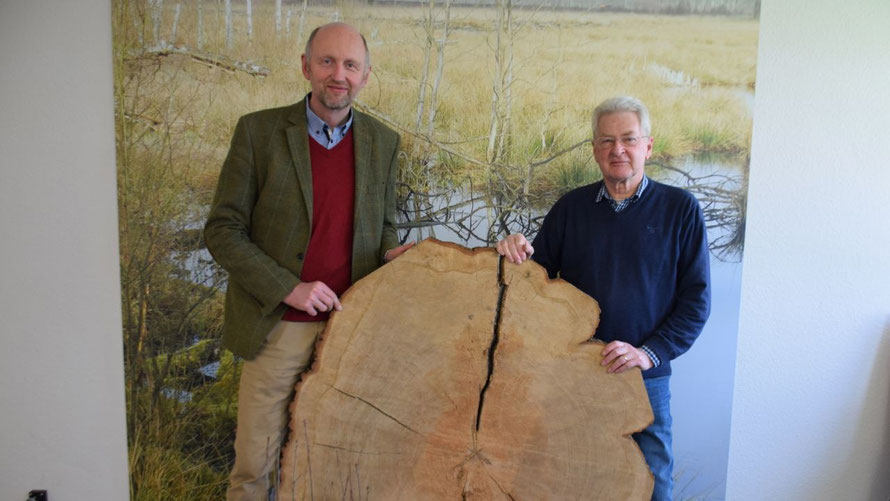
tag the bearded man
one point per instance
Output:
(305, 206)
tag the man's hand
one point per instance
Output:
(515, 248)
(620, 356)
(313, 297)
(396, 252)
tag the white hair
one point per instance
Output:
(623, 103)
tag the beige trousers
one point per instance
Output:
(264, 393)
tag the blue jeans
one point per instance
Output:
(655, 441)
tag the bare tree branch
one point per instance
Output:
(215, 60)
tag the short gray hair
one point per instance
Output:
(623, 103)
(308, 50)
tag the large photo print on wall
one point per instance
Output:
(492, 100)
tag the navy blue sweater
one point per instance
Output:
(647, 266)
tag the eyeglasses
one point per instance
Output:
(626, 141)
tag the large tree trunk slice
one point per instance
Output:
(404, 402)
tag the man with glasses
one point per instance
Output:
(640, 249)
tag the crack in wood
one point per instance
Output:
(495, 338)
(498, 484)
(359, 452)
(378, 409)
(308, 461)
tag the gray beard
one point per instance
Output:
(336, 105)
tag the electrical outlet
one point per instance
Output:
(37, 495)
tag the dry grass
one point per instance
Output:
(692, 71)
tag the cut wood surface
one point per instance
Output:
(447, 376)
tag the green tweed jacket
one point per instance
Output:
(261, 218)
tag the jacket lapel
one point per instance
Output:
(298, 141)
(362, 146)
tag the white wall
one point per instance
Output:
(811, 410)
(61, 371)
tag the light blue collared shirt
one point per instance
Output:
(323, 133)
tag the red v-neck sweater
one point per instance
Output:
(328, 257)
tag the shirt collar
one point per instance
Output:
(604, 193)
(324, 134)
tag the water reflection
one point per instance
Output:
(477, 219)
(719, 182)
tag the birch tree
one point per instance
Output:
(302, 22)
(200, 35)
(229, 24)
(499, 116)
(420, 152)
(156, 11)
(175, 23)
(549, 110)
(287, 21)
(440, 69)
(249, 6)
(424, 151)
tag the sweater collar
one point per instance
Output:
(620, 206)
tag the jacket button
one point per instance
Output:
(300, 256)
